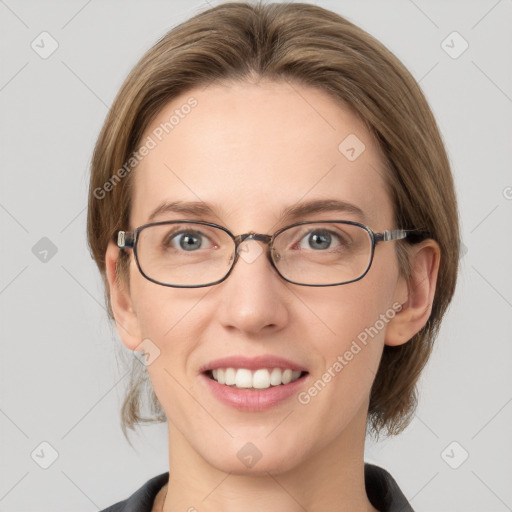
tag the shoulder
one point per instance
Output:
(141, 500)
(383, 491)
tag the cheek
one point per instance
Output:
(354, 336)
(174, 322)
(350, 327)
(161, 310)
(349, 341)
(347, 312)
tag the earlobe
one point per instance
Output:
(124, 314)
(417, 305)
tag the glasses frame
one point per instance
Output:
(128, 240)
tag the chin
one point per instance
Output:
(255, 458)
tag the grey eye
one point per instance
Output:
(186, 240)
(320, 239)
(189, 243)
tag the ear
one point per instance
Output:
(124, 314)
(419, 293)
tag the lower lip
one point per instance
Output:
(252, 400)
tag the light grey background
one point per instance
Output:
(60, 380)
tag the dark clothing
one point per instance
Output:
(381, 488)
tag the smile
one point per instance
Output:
(262, 378)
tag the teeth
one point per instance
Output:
(262, 378)
(229, 376)
(275, 377)
(243, 378)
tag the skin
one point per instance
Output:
(252, 149)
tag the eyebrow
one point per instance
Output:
(194, 208)
(288, 214)
(294, 212)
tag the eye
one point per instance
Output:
(322, 239)
(186, 240)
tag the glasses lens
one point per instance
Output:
(184, 254)
(322, 253)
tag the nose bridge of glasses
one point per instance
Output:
(245, 251)
(253, 236)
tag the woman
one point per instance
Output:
(273, 213)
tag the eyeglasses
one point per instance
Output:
(194, 254)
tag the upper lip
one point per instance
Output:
(252, 363)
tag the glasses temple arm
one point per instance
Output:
(125, 239)
(399, 234)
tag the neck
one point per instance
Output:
(331, 478)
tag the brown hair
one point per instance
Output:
(305, 44)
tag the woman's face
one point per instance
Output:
(249, 152)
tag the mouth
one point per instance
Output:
(254, 384)
(256, 380)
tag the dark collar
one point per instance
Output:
(381, 488)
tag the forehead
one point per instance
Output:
(253, 150)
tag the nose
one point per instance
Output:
(253, 297)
